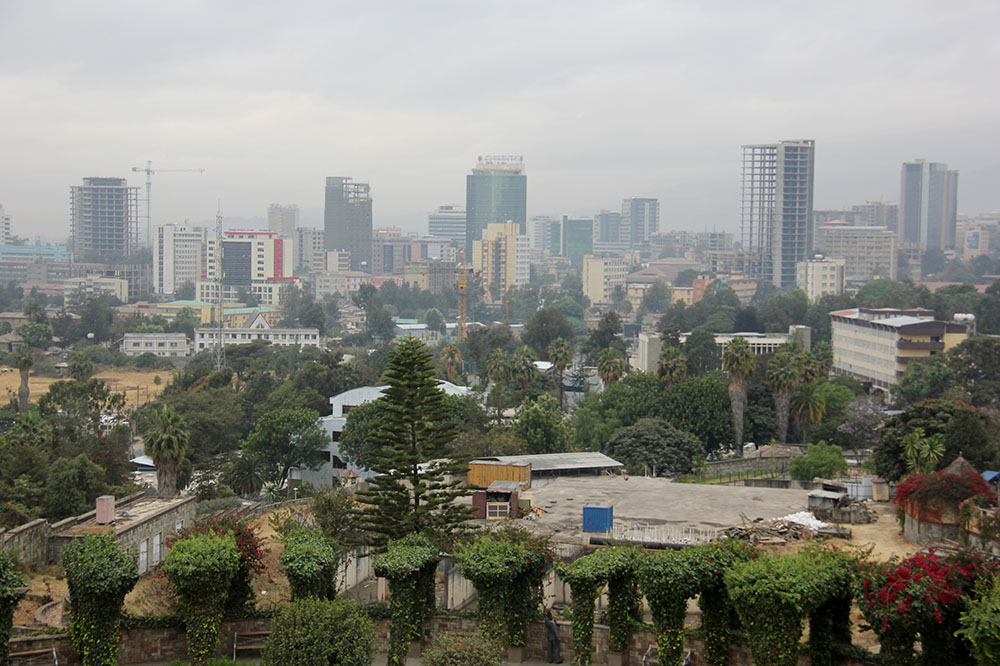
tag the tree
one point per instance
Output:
(166, 441)
(976, 365)
(72, 486)
(695, 405)
(561, 357)
(23, 359)
(357, 441)
(80, 368)
(610, 366)
(655, 299)
(545, 325)
(926, 379)
(451, 357)
(418, 476)
(655, 447)
(783, 374)
(702, 353)
(923, 454)
(523, 368)
(287, 438)
(541, 424)
(607, 334)
(214, 418)
(185, 291)
(807, 407)
(672, 366)
(36, 335)
(822, 460)
(434, 320)
(739, 362)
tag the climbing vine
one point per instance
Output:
(201, 568)
(310, 563)
(667, 581)
(99, 573)
(11, 592)
(585, 577)
(709, 564)
(507, 567)
(408, 565)
(621, 570)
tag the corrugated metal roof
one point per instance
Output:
(551, 462)
(506, 486)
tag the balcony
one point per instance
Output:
(914, 345)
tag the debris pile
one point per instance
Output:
(777, 531)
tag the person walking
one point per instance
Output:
(552, 634)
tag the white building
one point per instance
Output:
(340, 283)
(283, 220)
(178, 256)
(256, 328)
(650, 346)
(6, 227)
(260, 262)
(601, 274)
(448, 221)
(820, 276)
(868, 252)
(166, 345)
(95, 285)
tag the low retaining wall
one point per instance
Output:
(151, 645)
(30, 541)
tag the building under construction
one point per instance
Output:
(104, 219)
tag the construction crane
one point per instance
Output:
(462, 287)
(149, 171)
(220, 347)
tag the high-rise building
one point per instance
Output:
(640, 220)
(928, 205)
(877, 214)
(347, 219)
(502, 259)
(448, 221)
(546, 234)
(310, 250)
(259, 262)
(104, 219)
(495, 192)
(820, 276)
(868, 252)
(283, 220)
(6, 227)
(577, 237)
(178, 256)
(777, 211)
(601, 274)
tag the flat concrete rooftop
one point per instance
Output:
(655, 502)
(126, 516)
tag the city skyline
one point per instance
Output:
(96, 90)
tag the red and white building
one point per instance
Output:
(259, 262)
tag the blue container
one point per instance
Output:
(598, 517)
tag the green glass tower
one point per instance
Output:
(577, 237)
(495, 191)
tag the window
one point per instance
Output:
(497, 510)
(179, 525)
(157, 543)
(143, 556)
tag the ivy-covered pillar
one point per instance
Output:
(711, 562)
(621, 566)
(585, 577)
(668, 582)
(408, 565)
(12, 590)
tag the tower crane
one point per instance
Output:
(149, 171)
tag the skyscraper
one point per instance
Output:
(178, 256)
(777, 211)
(577, 237)
(347, 219)
(495, 192)
(928, 205)
(640, 219)
(448, 221)
(6, 230)
(104, 219)
(502, 259)
(283, 220)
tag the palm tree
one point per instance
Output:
(808, 407)
(922, 453)
(610, 366)
(80, 368)
(822, 355)
(561, 357)
(498, 368)
(23, 360)
(672, 366)
(451, 357)
(739, 363)
(783, 374)
(524, 368)
(166, 442)
(244, 474)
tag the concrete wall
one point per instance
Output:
(30, 540)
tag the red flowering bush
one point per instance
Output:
(251, 551)
(941, 487)
(924, 594)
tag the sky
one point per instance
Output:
(604, 100)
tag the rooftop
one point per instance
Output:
(131, 515)
(551, 462)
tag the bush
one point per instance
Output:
(201, 568)
(310, 564)
(822, 460)
(941, 487)
(981, 624)
(320, 632)
(462, 650)
(11, 582)
(99, 572)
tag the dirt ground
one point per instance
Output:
(137, 385)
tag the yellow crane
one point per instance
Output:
(149, 171)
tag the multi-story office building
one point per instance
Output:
(283, 219)
(640, 219)
(6, 227)
(165, 345)
(502, 259)
(495, 192)
(577, 237)
(259, 262)
(104, 219)
(337, 261)
(347, 220)
(820, 276)
(877, 345)
(546, 234)
(761, 344)
(601, 274)
(178, 256)
(448, 221)
(392, 250)
(928, 205)
(868, 252)
(310, 250)
(876, 214)
(81, 288)
(777, 210)
(609, 233)
(139, 276)
(431, 275)
(340, 283)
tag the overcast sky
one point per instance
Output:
(603, 99)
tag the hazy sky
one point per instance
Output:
(604, 100)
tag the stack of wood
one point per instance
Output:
(770, 532)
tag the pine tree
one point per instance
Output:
(418, 476)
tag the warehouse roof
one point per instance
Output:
(551, 462)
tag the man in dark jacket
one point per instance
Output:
(552, 634)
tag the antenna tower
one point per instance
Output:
(220, 347)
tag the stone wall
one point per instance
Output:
(737, 466)
(30, 541)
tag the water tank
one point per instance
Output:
(598, 517)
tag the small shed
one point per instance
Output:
(825, 501)
(498, 501)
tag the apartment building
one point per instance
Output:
(601, 274)
(178, 256)
(868, 252)
(502, 258)
(820, 276)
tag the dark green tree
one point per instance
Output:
(976, 366)
(823, 460)
(702, 353)
(699, 405)
(72, 486)
(287, 438)
(607, 334)
(655, 447)
(166, 441)
(542, 425)
(418, 476)
(925, 380)
(543, 328)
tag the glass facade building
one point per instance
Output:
(495, 192)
